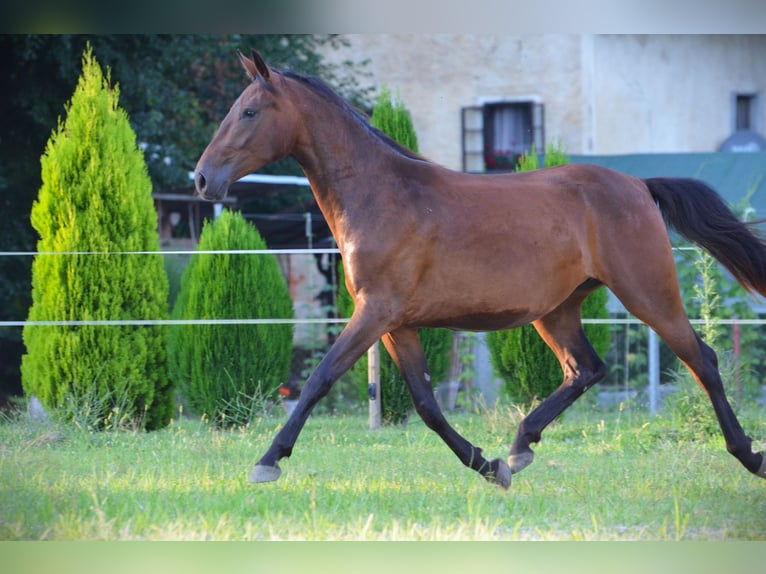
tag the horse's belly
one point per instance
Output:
(482, 321)
(492, 300)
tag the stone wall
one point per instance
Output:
(603, 94)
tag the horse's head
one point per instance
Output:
(256, 131)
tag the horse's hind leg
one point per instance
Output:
(702, 362)
(405, 349)
(704, 368)
(655, 299)
(562, 331)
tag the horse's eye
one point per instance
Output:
(249, 113)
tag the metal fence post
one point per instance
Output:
(373, 385)
(654, 371)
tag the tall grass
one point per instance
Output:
(597, 476)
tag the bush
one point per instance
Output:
(96, 197)
(392, 118)
(527, 366)
(220, 368)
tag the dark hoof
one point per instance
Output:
(520, 461)
(500, 474)
(263, 473)
(762, 471)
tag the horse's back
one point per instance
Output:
(587, 207)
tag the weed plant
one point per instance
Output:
(691, 405)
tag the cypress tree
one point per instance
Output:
(224, 372)
(528, 368)
(96, 197)
(390, 116)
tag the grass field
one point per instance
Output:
(597, 476)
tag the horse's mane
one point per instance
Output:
(323, 90)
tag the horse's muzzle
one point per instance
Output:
(209, 189)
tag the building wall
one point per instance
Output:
(602, 94)
(666, 94)
(437, 75)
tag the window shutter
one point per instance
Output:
(538, 126)
(472, 126)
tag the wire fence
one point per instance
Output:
(629, 320)
(651, 370)
(150, 322)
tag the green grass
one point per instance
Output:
(597, 476)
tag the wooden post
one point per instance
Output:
(373, 385)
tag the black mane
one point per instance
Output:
(322, 89)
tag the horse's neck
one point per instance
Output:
(341, 159)
(335, 148)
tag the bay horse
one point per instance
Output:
(424, 246)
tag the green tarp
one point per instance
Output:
(734, 175)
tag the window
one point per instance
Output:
(745, 111)
(496, 134)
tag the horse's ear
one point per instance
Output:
(255, 67)
(260, 65)
(248, 65)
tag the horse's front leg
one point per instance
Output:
(360, 334)
(404, 347)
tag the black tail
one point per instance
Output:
(699, 214)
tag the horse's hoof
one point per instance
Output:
(762, 471)
(519, 462)
(263, 473)
(502, 476)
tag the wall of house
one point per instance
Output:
(603, 94)
(668, 94)
(438, 74)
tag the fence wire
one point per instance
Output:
(264, 321)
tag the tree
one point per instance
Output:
(175, 89)
(224, 371)
(528, 368)
(392, 118)
(96, 197)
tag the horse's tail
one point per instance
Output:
(699, 214)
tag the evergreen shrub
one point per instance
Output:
(223, 370)
(96, 197)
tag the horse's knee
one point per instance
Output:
(317, 386)
(584, 377)
(429, 411)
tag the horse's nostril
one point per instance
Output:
(200, 181)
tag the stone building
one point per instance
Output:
(476, 97)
